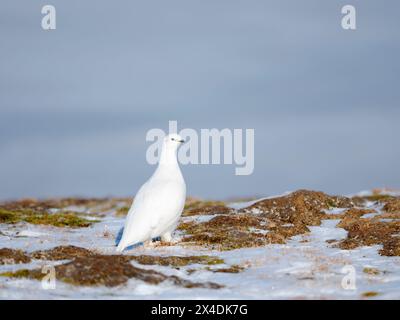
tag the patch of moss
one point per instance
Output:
(12, 256)
(378, 197)
(23, 273)
(392, 206)
(228, 232)
(61, 253)
(225, 232)
(107, 270)
(268, 221)
(370, 294)
(371, 231)
(352, 213)
(372, 271)
(232, 269)
(122, 211)
(300, 207)
(176, 261)
(390, 215)
(186, 226)
(212, 260)
(205, 207)
(89, 205)
(7, 216)
(381, 198)
(331, 204)
(202, 203)
(391, 246)
(59, 219)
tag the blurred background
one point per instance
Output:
(76, 102)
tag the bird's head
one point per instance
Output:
(173, 141)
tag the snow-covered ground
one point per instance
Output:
(307, 267)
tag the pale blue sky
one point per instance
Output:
(76, 103)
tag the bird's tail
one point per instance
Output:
(122, 246)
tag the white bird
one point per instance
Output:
(159, 202)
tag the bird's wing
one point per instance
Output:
(156, 203)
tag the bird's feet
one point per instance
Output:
(163, 241)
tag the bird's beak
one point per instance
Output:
(181, 141)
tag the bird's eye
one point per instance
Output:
(172, 139)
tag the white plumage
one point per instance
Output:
(159, 202)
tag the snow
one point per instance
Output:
(335, 210)
(307, 267)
